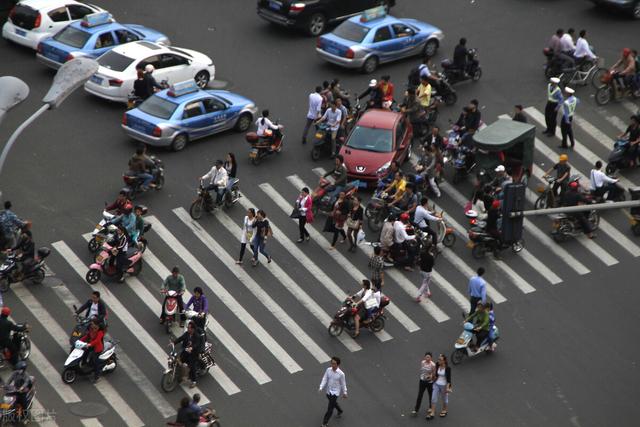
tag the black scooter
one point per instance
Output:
(472, 70)
(33, 270)
(322, 142)
(620, 157)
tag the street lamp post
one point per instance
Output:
(69, 77)
(12, 92)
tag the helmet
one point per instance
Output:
(6, 311)
(149, 68)
(500, 168)
(21, 365)
(495, 204)
(404, 216)
(626, 52)
(445, 63)
(112, 228)
(573, 184)
(127, 208)
(563, 157)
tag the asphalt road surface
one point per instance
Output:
(567, 313)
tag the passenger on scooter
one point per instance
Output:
(365, 301)
(191, 345)
(566, 42)
(572, 197)
(25, 252)
(422, 218)
(200, 306)
(601, 183)
(22, 382)
(217, 180)
(427, 167)
(94, 308)
(375, 94)
(424, 93)
(139, 228)
(117, 207)
(632, 134)
(119, 252)
(400, 245)
(407, 202)
(95, 345)
(128, 221)
(6, 327)
(563, 172)
(333, 117)
(624, 70)
(480, 320)
(174, 282)
(339, 174)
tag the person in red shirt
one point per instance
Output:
(118, 205)
(386, 87)
(95, 340)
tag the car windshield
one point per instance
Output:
(158, 107)
(114, 61)
(72, 37)
(351, 31)
(371, 139)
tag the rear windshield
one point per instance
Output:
(114, 61)
(72, 37)
(24, 17)
(371, 139)
(158, 107)
(351, 31)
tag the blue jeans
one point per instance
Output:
(258, 246)
(146, 179)
(219, 191)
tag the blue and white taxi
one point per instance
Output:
(373, 38)
(184, 112)
(94, 35)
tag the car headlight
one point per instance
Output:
(382, 170)
(164, 40)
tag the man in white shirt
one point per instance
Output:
(333, 117)
(583, 50)
(422, 216)
(315, 108)
(217, 180)
(400, 238)
(566, 42)
(334, 384)
(601, 183)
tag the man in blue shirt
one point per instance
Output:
(9, 222)
(477, 290)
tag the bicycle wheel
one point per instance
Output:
(596, 77)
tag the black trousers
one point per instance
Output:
(333, 404)
(567, 131)
(431, 232)
(243, 246)
(551, 117)
(91, 357)
(481, 335)
(122, 263)
(191, 359)
(424, 385)
(302, 221)
(474, 302)
(339, 231)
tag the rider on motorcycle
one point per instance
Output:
(6, 326)
(396, 188)
(601, 183)
(422, 218)
(140, 165)
(469, 122)
(407, 202)
(218, 179)
(200, 306)
(333, 117)
(501, 179)
(117, 207)
(624, 70)
(460, 55)
(366, 303)
(400, 245)
(375, 95)
(573, 197)
(94, 308)
(22, 382)
(563, 172)
(339, 174)
(95, 345)
(26, 251)
(480, 320)
(9, 222)
(191, 346)
(632, 133)
(174, 282)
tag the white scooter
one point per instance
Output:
(74, 365)
(462, 348)
(100, 234)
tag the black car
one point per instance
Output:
(313, 16)
(630, 6)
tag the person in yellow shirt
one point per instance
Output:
(424, 92)
(395, 190)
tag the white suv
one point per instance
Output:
(31, 21)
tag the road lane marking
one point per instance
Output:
(243, 315)
(290, 284)
(42, 411)
(273, 307)
(323, 242)
(90, 422)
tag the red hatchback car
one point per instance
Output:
(377, 139)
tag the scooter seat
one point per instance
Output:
(131, 252)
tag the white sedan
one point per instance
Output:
(118, 68)
(32, 21)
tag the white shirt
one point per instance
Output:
(247, 228)
(424, 71)
(263, 124)
(217, 176)
(422, 216)
(315, 106)
(566, 43)
(583, 49)
(599, 178)
(400, 233)
(302, 205)
(93, 311)
(334, 382)
(364, 294)
(333, 118)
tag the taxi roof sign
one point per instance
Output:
(95, 19)
(375, 13)
(183, 88)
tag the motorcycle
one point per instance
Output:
(462, 348)
(345, 318)
(322, 141)
(176, 371)
(461, 164)
(547, 198)
(320, 196)
(80, 329)
(74, 366)
(9, 408)
(206, 202)
(102, 233)
(565, 225)
(443, 89)
(105, 263)
(21, 341)
(481, 242)
(611, 89)
(472, 70)
(133, 183)
(620, 157)
(33, 270)
(170, 308)
(376, 211)
(263, 146)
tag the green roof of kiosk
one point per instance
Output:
(504, 134)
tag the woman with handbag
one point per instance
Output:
(247, 232)
(354, 223)
(305, 214)
(339, 215)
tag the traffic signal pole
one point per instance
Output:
(578, 208)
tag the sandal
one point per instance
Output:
(429, 415)
(443, 413)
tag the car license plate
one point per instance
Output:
(139, 128)
(21, 33)
(275, 5)
(470, 244)
(97, 80)
(253, 154)
(332, 50)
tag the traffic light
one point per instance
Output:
(513, 202)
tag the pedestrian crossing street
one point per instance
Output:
(271, 321)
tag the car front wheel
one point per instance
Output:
(202, 79)
(430, 48)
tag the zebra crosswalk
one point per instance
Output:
(271, 322)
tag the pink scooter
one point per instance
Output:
(103, 264)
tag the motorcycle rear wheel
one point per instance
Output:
(4, 284)
(196, 208)
(315, 154)
(335, 329)
(93, 276)
(478, 251)
(477, 74)
(377, 325)
(25, 348)
(449, 240)
(159, 182)
(38, 276)
(169, 382)
(603, 95)
(517, 246)
(69, 375)
(457, 356)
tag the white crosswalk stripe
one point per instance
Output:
(290, 284)
(90, 422)
(42, 418)
(274, 308)
(219, 332)
(630, 107)
(247, 319)
(355, 273)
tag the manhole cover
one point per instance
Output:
(219, 84)
(88, 409)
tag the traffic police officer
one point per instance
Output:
(568, 108)
(554, 100)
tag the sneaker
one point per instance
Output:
(308, 238)
(300, 240)
(269, 260)
(162, 321)
(121, 279)
(96, 380)
(414, 413)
